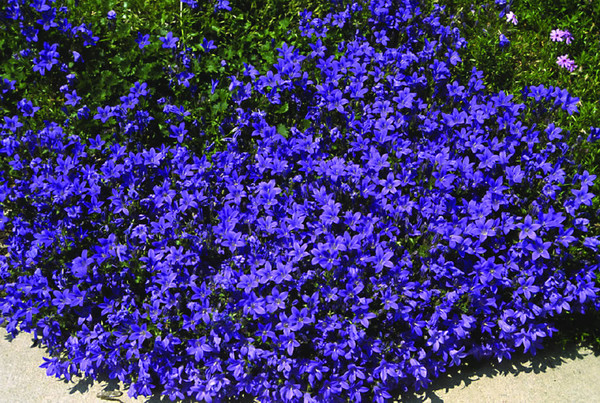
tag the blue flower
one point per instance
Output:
(12, 124)
(80, 265)
(143, 40)
(504, 42)
(169, 41)
(72, 98)
(582, 196)
(178, 132)
(528, 228)
(222, 5)
(104, 113)
(27, 108)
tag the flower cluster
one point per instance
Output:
(367, 221)
(511, 17)
(559, 35)
(564, 62)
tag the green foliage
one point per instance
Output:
(531, 57)
(248, 35)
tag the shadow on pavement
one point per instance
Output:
(548, 358)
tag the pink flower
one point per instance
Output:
(556, 35)
(511, 17)
(564, 61)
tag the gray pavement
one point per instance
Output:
(23, 381)
(552, 376)
(569, 375)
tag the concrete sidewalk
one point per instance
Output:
(552, 376)
(571, 375)
(23, 381)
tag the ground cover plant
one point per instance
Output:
(513, 56)
(342, 216)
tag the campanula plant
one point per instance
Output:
(369, 217)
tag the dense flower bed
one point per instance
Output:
(368, 220)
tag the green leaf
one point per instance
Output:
(281, 129)
(211, 66)
(283, 24)
(283, 108)
(305, 124)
